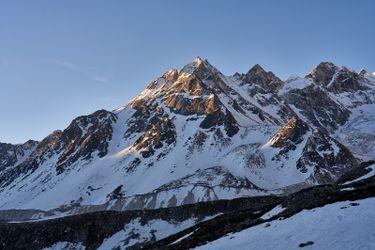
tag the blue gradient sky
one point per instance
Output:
(61, 59)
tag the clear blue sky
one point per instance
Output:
(61, 59)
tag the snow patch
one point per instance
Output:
(136, 232)
(275, 211)
(65, 246)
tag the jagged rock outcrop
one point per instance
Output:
(315, 152)
(309, 101)
(328, 158)
(161, 131)
(84, 136)
(291, 133)
(11, 155)
(346, 80)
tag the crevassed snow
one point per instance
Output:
(358, 133)
(335, 226)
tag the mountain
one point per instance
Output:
(196, 135)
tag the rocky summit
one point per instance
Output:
(194, 151)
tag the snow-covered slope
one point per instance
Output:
(194, 135)
(342, 225)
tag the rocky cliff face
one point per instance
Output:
(195, 135)
(85, 136)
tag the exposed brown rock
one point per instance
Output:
(266, 80)
(291, 132)
(323, 73)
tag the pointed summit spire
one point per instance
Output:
(325, 66)
(257, 75)
(323, 72)
(257, 69)
(362, 73)
(198, 59)
(198, 64)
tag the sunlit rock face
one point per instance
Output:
(86, 137)
(291, 133)
(196, 134)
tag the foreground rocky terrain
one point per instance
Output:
(219, 224)
(187, 154)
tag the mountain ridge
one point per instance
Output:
(195, 123)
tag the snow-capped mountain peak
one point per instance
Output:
(195, 134)
(198, 66)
